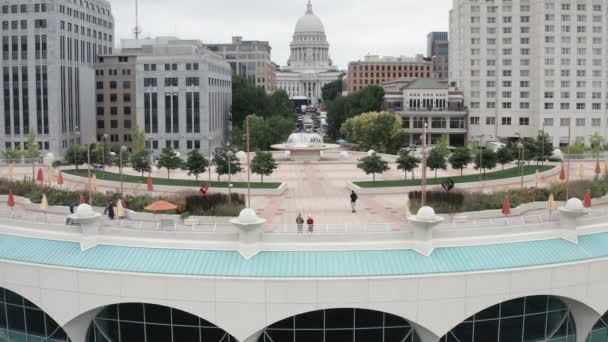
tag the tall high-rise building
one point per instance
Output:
(177, 91)
(250, 59)
(48, 52)
(527, 66)
(437, 49)
(309, 67)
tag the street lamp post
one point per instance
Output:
(210, 157)
(76, 151)
(229, 155)
(103, 149)
(481, 156)
(122, 149)
(520, 146)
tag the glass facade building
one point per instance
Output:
(339, 325)
(23, 321)
(537, 318)
(138, 322)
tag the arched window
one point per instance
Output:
(152, 323)
(338, 325)
(537, 318)
(21, 320)
(599, 333)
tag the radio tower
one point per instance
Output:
(137, 29)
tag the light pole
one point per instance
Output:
(481, 156)
(520, 146)
(89, 173)
(103, 149)
(210, 157)
(229, 155)
(122, 149)
(76, 150)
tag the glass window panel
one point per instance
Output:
(158, 333)
(110, 312)
(13, 298)
(338, 335)
(185, 334)
(35, 322)
(157, 314)
(534, 327)
(280, 335)
(339, 318)
(53, 330)
(29, 304)
(556, 304)
(2, 317)
(212, 334)
(536, 304)
(489, 313)
(17, 336)
(309, 335)
(395, 334)
(600, 335)
(106, 328)
(131, 331)
(486, 331)
(131, 312)
(1, 295)
(557, 324)
(511, 328)
(184, 318)
(464, 332)
(366, 335)
(368, 319)
(310, 320)
(15, 318)
(512, 308)
(284, 324)
(395, 321)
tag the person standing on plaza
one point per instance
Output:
(300, 223)
(110, 210)
(311, 224)
(353, 201)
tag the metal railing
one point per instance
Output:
(335, 228)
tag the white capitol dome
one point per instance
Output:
(309, 22)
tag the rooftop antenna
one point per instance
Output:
(137, 29)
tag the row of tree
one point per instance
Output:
(378, 131)
(440, 156)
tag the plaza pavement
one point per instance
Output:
(318, 189)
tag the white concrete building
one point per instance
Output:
(309, 67)
(533, 278)
(183, 93)
(48, 52)
(526, 66)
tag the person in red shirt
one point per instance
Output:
(311, 224)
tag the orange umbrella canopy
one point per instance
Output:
(562, 174)
(161, 206)
(587, 200)
(40, 176)
(60, 178)
(150, 185)
(506, 206)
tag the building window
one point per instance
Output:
(564, 122)
(506, 121)
(580, 122)
(548, 122)
(474, 120)
(491, 120)
(596, 122)
(524, 121)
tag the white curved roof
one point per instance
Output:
(309, 22)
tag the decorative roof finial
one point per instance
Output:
(309, 8)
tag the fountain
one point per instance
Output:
(305, 146)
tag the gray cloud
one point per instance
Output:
(354, 28)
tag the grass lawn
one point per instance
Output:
(115, 177)
(495, 175)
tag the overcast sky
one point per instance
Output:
(354, 28)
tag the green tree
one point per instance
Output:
(372, 165)
(12, 154)
(195, 164)
(221, 164)
(169, 160)
(140, 161)
(138, 140)
(279, 104)
(368, 99)
(504, 155)
(407, 162)
(32, 152)
(379, 131)
(248, 99)
(331, 90)
(596, 142)
(578, 147)
(544, 149)
(76, 154)
(437, 160)
(265, 132)
(263, 164)
(460, 159)
(488, 160)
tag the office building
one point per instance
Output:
(250, 59)
(438, 50)
(115, 90)
(177, 91)
(529, 66)
(48, 52)
(376, 70)
(309, 67)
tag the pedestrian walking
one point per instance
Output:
(353, 201)
(110, 210)
(300, 223)
(71, 206)
(311, 224)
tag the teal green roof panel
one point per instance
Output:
(302, 264)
